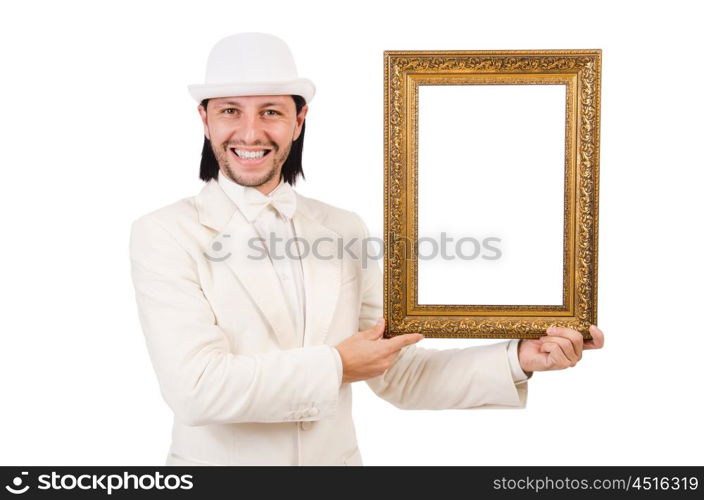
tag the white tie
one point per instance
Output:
(285, 259)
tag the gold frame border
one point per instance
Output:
(404, 71)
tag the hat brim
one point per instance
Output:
(301, 86)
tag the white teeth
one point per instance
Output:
(249, 154)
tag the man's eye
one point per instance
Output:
(229, 111)
(273, 112)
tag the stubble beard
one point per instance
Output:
(222, 156)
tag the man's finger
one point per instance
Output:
(572, 335)
(597, 341)
(557, 356)
(375, 332)
(566, 346)
(400, 341)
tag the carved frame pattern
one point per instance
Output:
(404, 71)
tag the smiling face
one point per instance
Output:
(251, 136)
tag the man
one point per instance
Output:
(254, 351)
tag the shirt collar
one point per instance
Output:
(242, 195)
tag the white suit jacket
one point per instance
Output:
(242, 388)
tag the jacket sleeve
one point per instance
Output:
(199, 376)
(474, 377)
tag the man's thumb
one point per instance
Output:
(375, 332)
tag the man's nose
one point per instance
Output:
(253, 129)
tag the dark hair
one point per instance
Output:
(291, 169)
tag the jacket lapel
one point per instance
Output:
(256, 274)
(322, 270)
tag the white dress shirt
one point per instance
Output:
(288, 267)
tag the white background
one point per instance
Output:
(97, 128)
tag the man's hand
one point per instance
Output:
(366, 354)
(560, 348)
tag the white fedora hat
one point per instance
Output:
(251, 64)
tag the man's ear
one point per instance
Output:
(204, 118)
(300, 118)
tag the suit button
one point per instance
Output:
(305, 425)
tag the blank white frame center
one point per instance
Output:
(491, 166)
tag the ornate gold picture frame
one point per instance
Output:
(430, 134)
